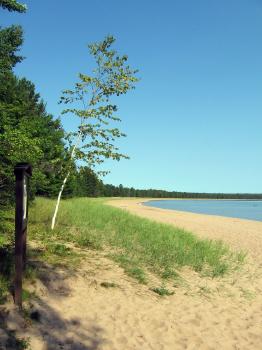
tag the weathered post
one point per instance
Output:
(22, 172)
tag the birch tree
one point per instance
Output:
(91, 102)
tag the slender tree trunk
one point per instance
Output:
(58, 200)
(64, 182)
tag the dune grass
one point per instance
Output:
(137, 244)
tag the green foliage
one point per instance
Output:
(130, 266)
(87, 241)
(95, 137)
(87, 183)
(170, 273)
(162, 291)
(58, 249)
(11, 39)
(26, 295)
(28, 133)
(120, 191)
(12, 5)
(135, 243)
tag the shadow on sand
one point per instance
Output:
(40, 321)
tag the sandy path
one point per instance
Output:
(77, 313)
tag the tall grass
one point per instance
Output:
(135, 243)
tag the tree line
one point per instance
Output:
(110, 190)
(28, 133)
(98, 188)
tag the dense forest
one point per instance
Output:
(110, 190)
(28, 133)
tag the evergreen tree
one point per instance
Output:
(27, 132)
(11, 39)
(12, 5)
(88, 184)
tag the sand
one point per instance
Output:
(238, 233)
(76, 312)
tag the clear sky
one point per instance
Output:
(194, 122)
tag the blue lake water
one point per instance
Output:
(243, 209)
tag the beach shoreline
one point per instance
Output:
(240, 234)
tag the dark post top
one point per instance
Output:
(23, 168)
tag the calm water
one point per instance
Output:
(251, 210)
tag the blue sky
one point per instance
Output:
(194, 121)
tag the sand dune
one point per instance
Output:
(77, 312)
(240, 234)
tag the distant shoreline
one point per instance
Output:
(205, 199)
(242, 209)
(240, 234)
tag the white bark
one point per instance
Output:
(64, 182)
(58, 200)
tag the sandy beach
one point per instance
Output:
(240, 234)
(77, 312)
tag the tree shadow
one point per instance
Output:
(42, 321)
(6, 260)
(6, 270)
(59, 333)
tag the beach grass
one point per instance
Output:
(162, 291)
(136, 244)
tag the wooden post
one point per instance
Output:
(22, 172)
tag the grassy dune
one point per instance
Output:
(137, 244)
